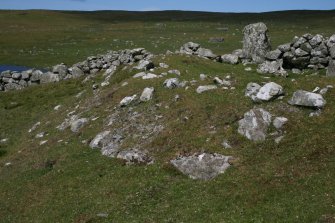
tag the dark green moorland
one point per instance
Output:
(68, 182)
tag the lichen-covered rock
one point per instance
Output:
(272, 67)
(255, 124)
(49, 77)
(60, 69)
(269, 91)
(134, 156)
(279, 122)
(308, 99)
(256, 42)
(273, 55)
(171, 83)
(127, 100)
(230, 59)
(204, 166)
(78, 124)
(252, 90)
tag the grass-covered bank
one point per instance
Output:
(66, 181)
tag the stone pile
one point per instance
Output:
(11, 80)
(305, 52)
(191, 48)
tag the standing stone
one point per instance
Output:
(331, 69)
(256, 42)
(255, 124)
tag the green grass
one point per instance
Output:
(69, 182)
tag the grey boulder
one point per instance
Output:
(205, 166)
(307, 99)
(269, 91)
(76, 125)
(230, 58)
(171, 83)
(147, 94)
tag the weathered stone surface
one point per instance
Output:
(279, 122)
(76, 72)
(269, 91)
(206, 53)
(78, 124)
(332, 52)
(36, 75)
(60, 69)
(216, 40)
(202, 89)
(189, 48)
(16, 75)
(135, 156)
(300, 53)
(272, 67)
(145, 65)
(230, 59)
(127, 100)
(147, 94)
(316, 40)
(308, 99)
(97, 142)
(49, 77)
(285, 47)
(203, 166)
(273, 55)
(255, 124)
(331, 69)
(252, 90)
(256, 42)
(221, 82)
(171, 83)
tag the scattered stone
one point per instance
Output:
(308, 99)
(221, 82)
(145, 65)
(216, 40)
(273, 55)
(34, 127)
(135, 156)
(252, 90)
(56, 108)
(78, 124)
(40, 135)
(177, 72)
(248, 69)
(255, 124)
(315, 113)
(127, 100)
(203, 77)
(272, 67)
(269, 91)
(296, 71)
(147, 94)
(171, 83)
(4, 140)
(163, 65)
(279, 122)
(43, 142)
(226, 144)
(279, 139)
(204, 166)
(202, 89)
(230, 59)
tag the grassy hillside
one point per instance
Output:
(66, 181)
(45, 38)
